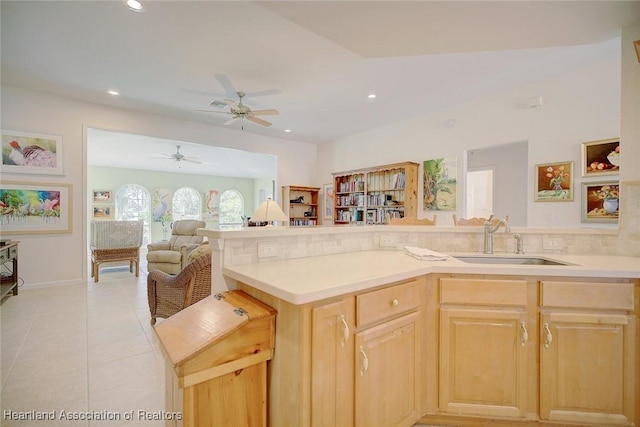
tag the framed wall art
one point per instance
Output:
(439, 184)
(554, 182)
(31, 207)
(327, 198)
(600, 201)
(102, 196)
(32, 153)
(601, 157)
(102, 212)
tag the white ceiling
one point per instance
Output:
(318, 60)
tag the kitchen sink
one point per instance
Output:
(514, 260)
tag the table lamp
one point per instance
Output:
(269, 211)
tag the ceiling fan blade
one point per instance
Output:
(192, 160)
(233, 104)
(262, 93)
(231, 120)
(226, 83)
(217, 112)
(270, 112)
(161, 156)
(218, 103)
(258, 121)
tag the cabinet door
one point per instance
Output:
(483, 362)
(387, 379)
(332, 364)
(587, 369)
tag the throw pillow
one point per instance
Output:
(201, 249)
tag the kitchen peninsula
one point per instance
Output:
(367, 335)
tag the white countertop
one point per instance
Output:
(304, 280)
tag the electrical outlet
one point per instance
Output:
(268, 249)
(552, 243)
(388, 240)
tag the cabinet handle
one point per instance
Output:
(395, 302)
(525, 334)
(547, 336)
(345, 331)
(365, 361)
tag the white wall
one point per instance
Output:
(581, 106)
(61, 258)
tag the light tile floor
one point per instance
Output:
(85, 349)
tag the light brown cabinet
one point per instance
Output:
(372, 195)
(518, 349)
(484, 336)
(332, 364)
(300, 204)
(587, 353)
(349, 361)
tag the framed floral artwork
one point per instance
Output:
(32, 153)
(600, 201)
(554, 182)
(33, 207)
(601, 157)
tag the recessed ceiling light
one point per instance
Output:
(371, 96)
(287, 130)
(113, 92)
(134, 5)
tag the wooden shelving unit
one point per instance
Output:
(372, 195)
(301, 205)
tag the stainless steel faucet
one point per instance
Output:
(519, 246)
(489, 229)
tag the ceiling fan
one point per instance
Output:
(238, 110)
(177, 156)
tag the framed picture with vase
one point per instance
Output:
(600, 201)
(554, 182)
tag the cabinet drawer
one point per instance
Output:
(483, 291)
(599, 295)
(378, 305)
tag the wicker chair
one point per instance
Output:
(168, 294)
(115, 241)
(171, 256)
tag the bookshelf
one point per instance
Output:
(372, 195)
(301, 205)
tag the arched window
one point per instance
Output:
(231, 208)
(187, 204)
(133, 202)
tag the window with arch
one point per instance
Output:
(186, 204)
(231, 208)
(133, 202)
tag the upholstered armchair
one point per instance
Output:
(171, 256)
(168, 294)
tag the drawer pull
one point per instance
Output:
(525, 334)
(365, 362)
(345, 331)
(547, 336)
(395, 302)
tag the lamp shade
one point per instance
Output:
(269, 211)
